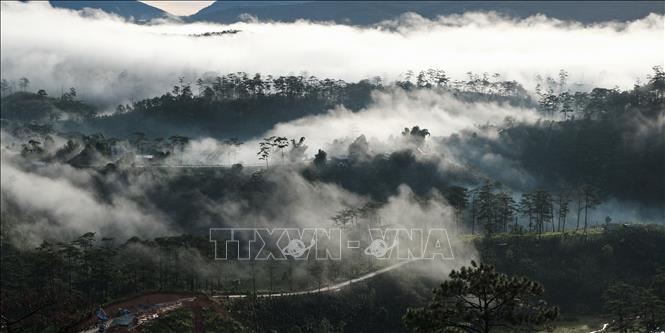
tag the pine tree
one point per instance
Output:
(477, 299)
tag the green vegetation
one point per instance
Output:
(215, 322)
(176, 321)
(478, 299)
(588, 149)
(636, 308)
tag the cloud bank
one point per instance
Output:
(108, 59)
(64, 205)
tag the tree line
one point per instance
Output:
(491, 209)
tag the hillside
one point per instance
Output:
(372, 12)
(127, 9)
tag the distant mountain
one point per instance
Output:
(227, 5)
(371, 12)
(127, 9)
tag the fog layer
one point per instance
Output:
(108, 58)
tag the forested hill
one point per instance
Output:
(606, 137)
(372, 12)
(128, 9)
(238, 104)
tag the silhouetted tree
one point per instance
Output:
(506, 207)
(459, 198)
(23, 83)
(298, 148)
(477, 299)
(542, 208)
(320, 158)
(563, 199)
(588, 196)
(486, 208)
(265, 149)
(280, 143)
(201, 85)
(415, 135)
(526, 207)
(42, 93)
(4, 87)
(620, 302)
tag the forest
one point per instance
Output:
(535, 196)
(331, 166)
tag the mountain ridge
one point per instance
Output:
(364, 13)
(136, 10)
(371, 12)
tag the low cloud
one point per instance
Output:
(109, 59)
(55, 202)
(381, 122)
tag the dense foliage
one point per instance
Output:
(478, 299)
(588, 148)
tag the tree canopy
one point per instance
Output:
(477, 299)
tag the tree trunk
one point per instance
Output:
(558, 222)
(473, 217)
(578, 214)
(586, 208)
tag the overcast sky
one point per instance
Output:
(181, 8)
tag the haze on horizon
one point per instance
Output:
(179, 8)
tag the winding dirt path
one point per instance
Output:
(169, 301)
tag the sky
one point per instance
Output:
(180, 8)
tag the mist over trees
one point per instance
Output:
(393, 171)
(217, 104)
(585, 150)
(577, 155)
